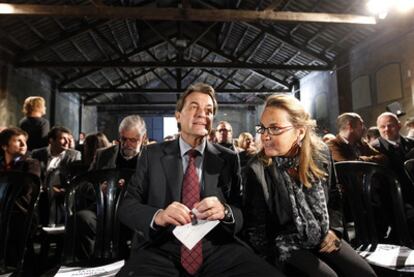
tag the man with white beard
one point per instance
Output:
(132, 133)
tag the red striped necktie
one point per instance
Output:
(191, 260)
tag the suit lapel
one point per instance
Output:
(212, 166)
(173, 169)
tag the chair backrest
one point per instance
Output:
(15, 186)
(103, 189)
(409, 169)
(357, 178)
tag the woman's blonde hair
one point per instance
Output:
(33, 103)
(242, 137)
(311, 148)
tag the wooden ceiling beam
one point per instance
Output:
(184, 64)
(178, 14)
(163, 90)
(63, 37)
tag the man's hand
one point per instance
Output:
(175, 214)
(330, 243)
(210, 208)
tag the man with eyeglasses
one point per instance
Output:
(188, 183)
(132, 133)
(224, 134)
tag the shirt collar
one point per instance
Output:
(49, 153)
(185, 147)
(394, 143)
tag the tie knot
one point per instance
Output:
(192, 153)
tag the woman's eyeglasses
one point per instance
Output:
(272, 130)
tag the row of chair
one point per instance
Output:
(104, 186)
(107, 186)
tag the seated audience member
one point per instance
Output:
(13, 158)
(55, 161)
(372, 135)
(132, 134)
(349, 145)
(289, 194)
(409, 123)
(397, 149)
(33, 123)
(175, 177)
(13, 144)
(224, 135)
(90, 145)
(246, 147)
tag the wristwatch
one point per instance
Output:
(227, 213)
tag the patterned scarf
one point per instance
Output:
(309, 209)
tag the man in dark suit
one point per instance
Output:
(154, 202)
(55, 161)
(397, 149)
(348, 145)
(132, 133)
(224, 135)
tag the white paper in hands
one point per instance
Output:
(191, 233)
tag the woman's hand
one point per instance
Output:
(330, 243)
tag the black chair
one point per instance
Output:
(357, 178)
(18, 194)
(100, 192)
(409, 169)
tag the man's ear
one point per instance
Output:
(178, 116)
(4, 147)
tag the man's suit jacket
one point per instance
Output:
(158, 182)
(70, 156)
(397, 156)
(342, 151)
(105, 158)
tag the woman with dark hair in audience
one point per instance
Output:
(287, 188)
(91, 143)
(13, 158)
(33, 123)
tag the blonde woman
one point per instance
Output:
(33, 123)
(288, 219)
(246, 147)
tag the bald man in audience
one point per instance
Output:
(397, 149)
(348, 145)
(224, 135)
